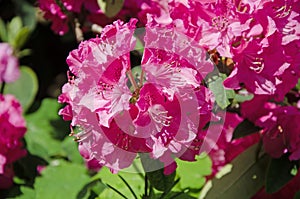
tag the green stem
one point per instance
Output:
(2, 87)
(128, 186)
(131, 79)
(123, 196)
(146, 185)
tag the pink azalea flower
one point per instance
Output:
(162, 116)
(9, 70)
(281, 131)
(54, 13)
(12, 128)
(261, 66)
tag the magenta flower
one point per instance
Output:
(9, 70)
(12, 128)
(56, 15)
(163, 113)
(281, 131)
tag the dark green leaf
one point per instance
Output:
(110, 7)
(133, 179)
(61, 180)
(27, 193)
(192, 174)
(42, 126)
(25, 88)
(155, 173)
(215, 84)
(245, 179)
(23, 53)
(3, 31)
(27, 12)
(96, 186)
(278, 174)
(298, 85)
(179, 195)
(13, 29)
(244, 128)
(71, 149)
(21, 38)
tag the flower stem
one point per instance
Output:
(146, 185)
(141, 78)
(131, 78)
(2, 87)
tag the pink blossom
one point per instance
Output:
(161, 116)
(9, 70)
(281, 131)
(54, 13)
(12, 127)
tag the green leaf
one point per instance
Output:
(27, 12)
(95, 186)
(110, 7)
(297, 195)
(192, 174)
(28, 193)
(298, 85)
(13, 29)
(245, 128)
(71, 149)
(3, 31)
(245, 179)
(113, 180)
(25, 88)
(243, 98)
(23, 53)
(174, 195)
(42, 126)
(279, 173)
(61, 180)
(215, 84)
(155, 174)
(21, 38)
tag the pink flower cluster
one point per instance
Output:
(281, 128)
(262, 40)
(162, 114)
(12, 130)
(63, 12)
(261, 37)
(9, 70)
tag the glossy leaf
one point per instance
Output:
(42, 126)
(25, 88)
(13, 29)
(278, 174)
(244, 128)
(243, 98)
(71, 150)
(113, 180)
(215, 84)
(61, 180)
(110, 7)
(21, 38)
(192, 174)
(27, 12)
(155, 172)
(245, 179)
(27, 193)
(3, 31)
